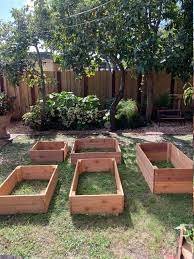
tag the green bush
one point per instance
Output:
(188, 94)
(33, 118)
(127, 116)
(67, 111)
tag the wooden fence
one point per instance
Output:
(104, 84)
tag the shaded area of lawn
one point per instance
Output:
(144, 230)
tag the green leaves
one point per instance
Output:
(66, 111)
(188, 94)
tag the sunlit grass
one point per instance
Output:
(144, 230)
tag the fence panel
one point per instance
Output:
(100, 84)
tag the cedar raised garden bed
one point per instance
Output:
(37, 203)
(96, 204)
(95, 148)
(49, 151)
(165, 180)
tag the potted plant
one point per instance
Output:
(6, 109)
(185, 246)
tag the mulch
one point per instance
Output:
(170, 128)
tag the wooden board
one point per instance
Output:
(49, 151)
(168, 180)
(97, 143)
(145, 166)
(96, 204)
(38, 203)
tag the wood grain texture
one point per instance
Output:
(97, 143)
(145, 166)
(49, 151)
(168, 180)
(96, 204)
(38, 203)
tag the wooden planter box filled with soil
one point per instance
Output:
(49, 151)
(28, 189)
(96, 148)
(96, 188)
(165, 168)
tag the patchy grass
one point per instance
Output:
(29, 187)
(95, 150)
(163, 164)
(96, 183)
(145, 230)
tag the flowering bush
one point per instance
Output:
(6, 104)
(67, 111)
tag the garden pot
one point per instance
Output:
(185, 249)
(4, 122)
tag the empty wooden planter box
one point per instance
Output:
(165, 180)
(97, 143)
(96, 204)
(38, 203)
(49, 151)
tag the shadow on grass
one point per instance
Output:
(171, 210)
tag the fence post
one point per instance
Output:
(85, 86)
(2, 88)
(59, 87)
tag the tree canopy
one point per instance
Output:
(144, 36)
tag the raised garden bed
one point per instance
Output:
(29, 203)
(165, 180)
(96, 148)
(109, 203)
(49, 151)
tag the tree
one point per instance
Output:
(178, 42)
(17, 62)
(149, 22)
(127, 34)
(83, 42)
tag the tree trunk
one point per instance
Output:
(42, 88)
(150, 90)
(117, 99)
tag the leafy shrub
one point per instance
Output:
(127, 115)
(67, 111)
(6, 104)
(33, 118)
(188, 94)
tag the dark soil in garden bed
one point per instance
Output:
(29, 187)
(95, 183)
(163, 164)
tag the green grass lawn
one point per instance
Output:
(146, 229)
(95, 150)
(30, 187)
(163, 164)
(96, 183)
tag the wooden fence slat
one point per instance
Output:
(100, 85)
